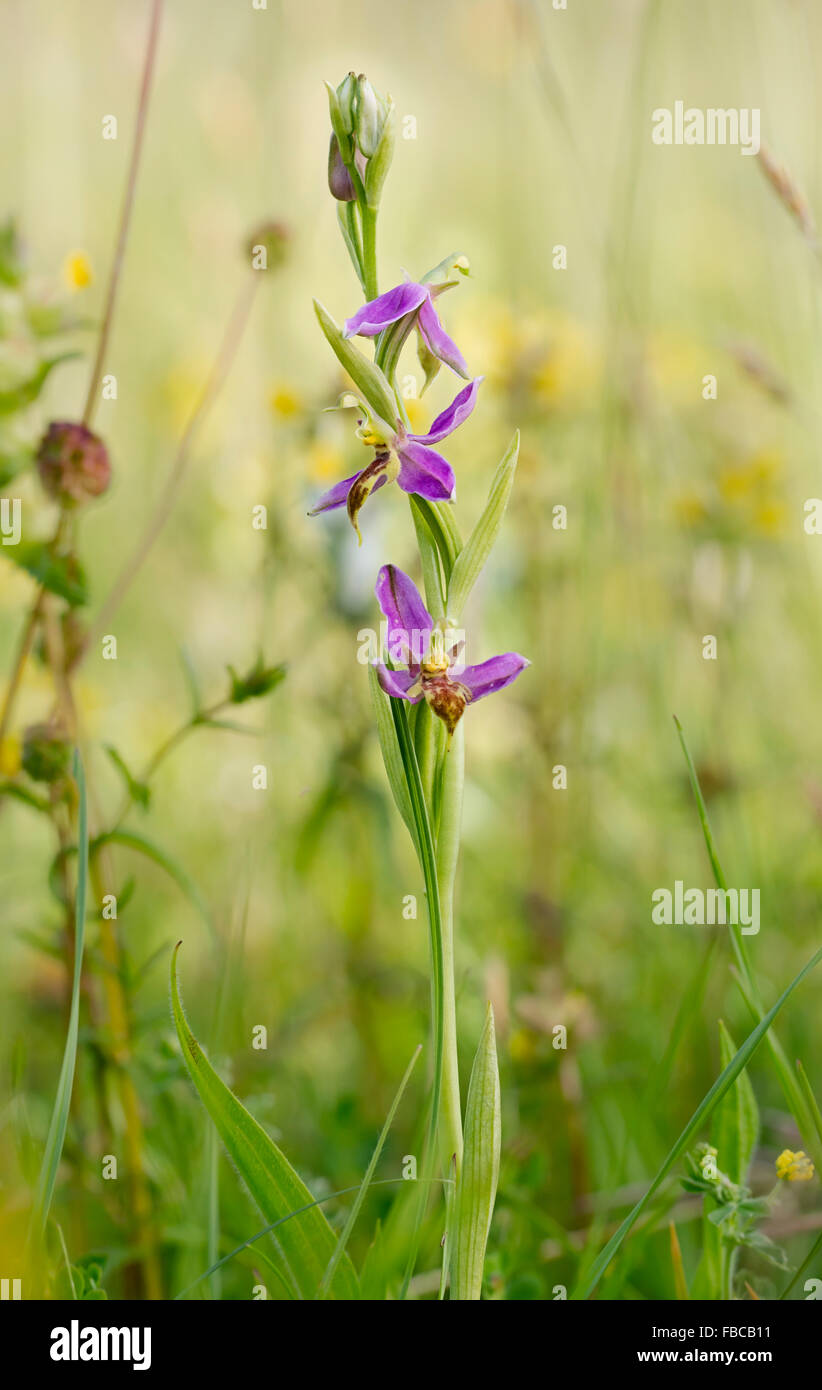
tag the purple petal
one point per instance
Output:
(450, 419)
(438, 340)
(335, 497)
(425, 471)
(373, 317)
(397, 683)
(399, 598)
(492, 675)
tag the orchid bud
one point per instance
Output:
(369, 122)
(339, 179)
(346, 94)
(73, 463)
(46, 753)
(380, 163)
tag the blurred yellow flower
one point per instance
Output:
(546, 357)
(752, 486)
(181, 390)
(285, 402)
(690, 508)
(77, 271)
(794, 1167)
(770, 517)
(325, 461)
(10, 756)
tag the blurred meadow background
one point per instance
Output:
(684, 518)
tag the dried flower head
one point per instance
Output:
(73, 463)
(46, 753)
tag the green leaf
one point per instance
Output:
(705, 1108)
(367, 1179)
(439, 518)
(477, 1181)
(62, 1102)
(59, 574)
(474, 554)
(430, 559)
(307, 1243)
(256, 683)
(367, 375)
(790, 1084)
(390, 749)
(736, 1120)
(130, 839)
(137, 790)
(28, 391)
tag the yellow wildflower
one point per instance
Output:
(285, 402)
(324, 461)
(77, 271)
(794, 1167)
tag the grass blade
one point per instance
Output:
(480, 1169)
(705, 1108)
(308, 1244)
(62, 1102)
(366, 1182)
(750, 992)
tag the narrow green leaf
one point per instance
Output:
(430, 558)
(705, 1108)
(474, 554)
(791, 1088)
(62, 1102)
(28, 391)
(477, 1181)
(130, 839)
(736, 1121)
(367, 1179)
(391, 756)
(137, 790)
(307, 1244)
(62, 575)
(363, 373)
(439, 518)
(810, 1098)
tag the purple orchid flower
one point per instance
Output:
(413, 637)
(405, 458)
(409, 298)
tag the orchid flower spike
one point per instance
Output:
(404, 458)
(399, 303)
(434, 671)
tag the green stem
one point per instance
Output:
(369, 249)
(448, 844)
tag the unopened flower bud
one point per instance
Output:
(369, 124)
(73, 463)
(339, 179)
(272, 238)
(380, 163)
(346, 93)
(46, 753)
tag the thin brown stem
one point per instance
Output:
(125, 214)
(165, 502)
(26, 643)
